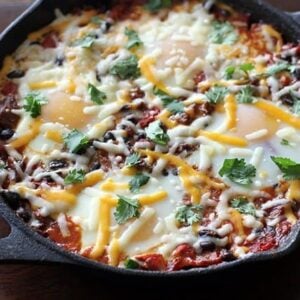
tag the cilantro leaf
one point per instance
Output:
(96, 20)
(2, 166)
(126, 209)
(296, 105)
(156, 5)
(229, 71)
(132, 264)
(133, 160)
(278, 68)
(85, 42)
(289, 168)
(223, 33)
(285, 142)
(216, 94)
(164, 97)
(247, 67)
(75, 176)
(188, 214)
(243, 206)
(137, 182)
(126, 68)
(33, 103)
(133, 39)
(238, 171)
(76, 141)
(97, 96)
(169, 102)
(175, 107)
(157, 134)
(246, 95)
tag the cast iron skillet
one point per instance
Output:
(23, 244)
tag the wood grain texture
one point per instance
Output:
(275, 280)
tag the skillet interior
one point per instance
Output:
(40, 15)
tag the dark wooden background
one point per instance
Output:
(276, 280)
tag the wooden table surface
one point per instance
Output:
(275, 280)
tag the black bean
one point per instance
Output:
(24, 214)
(287, 100)
(13, 200)
(175, 171)
(227, 255)
(141, 135)
(109, 136)
(296, 73)
(95, 166)
(59, 61)
(57, 164)
(165, 172)
(6, 134)
(15, 74)
(207, 245)
(105, 26)
(207, 232)
(98, 76)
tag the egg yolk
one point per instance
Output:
(61, 109)
(251, 119)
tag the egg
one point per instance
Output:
(61, 109)
(250, 119)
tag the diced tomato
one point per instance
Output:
(49, 40)
(149, 116)
(184, 250)
(283, 229)
(199, 77)
(72, 242)
(181, 263)
(9, 88)
(152, 262)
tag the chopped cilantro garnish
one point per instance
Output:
(85, 42)
(133, 160)
(169, 102)
(33, 103)
(285, 142)
(96, 95)
(188, 214)
(137, 182)
(126, 209)
(133, 39)
(247, 67)
(216, 94)
(296, 105)
(278, 68)
(223, 33)
(157, 134)
(244, 68)
(238, 171)
(229, 72)
(243, 206)
(126, 68)
(156, 5)
(76, 141)
(96, 20)
(289, 168)
(75, 176)
(245, 95)
(132, 264)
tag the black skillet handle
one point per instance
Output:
(295, 16)
(24, 245)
